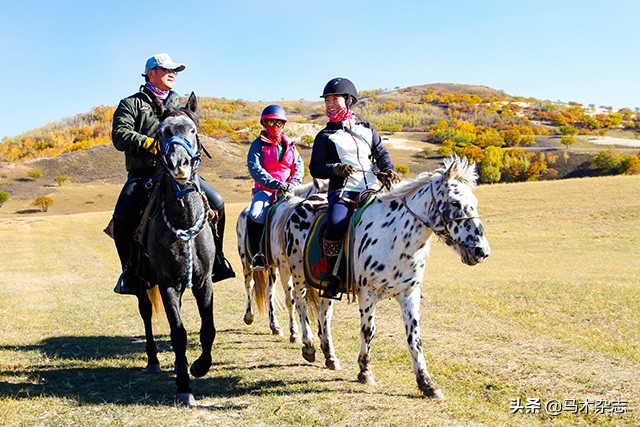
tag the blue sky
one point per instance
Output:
(61, 58)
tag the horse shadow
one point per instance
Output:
(78, 368)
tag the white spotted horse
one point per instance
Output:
(259, 283)
(180, 246)
(390, 245)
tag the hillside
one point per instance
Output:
(532, 139)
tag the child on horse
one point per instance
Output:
(348, 152)
(275, 165)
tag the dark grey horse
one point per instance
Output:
(179, 242)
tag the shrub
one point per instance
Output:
(403, 170)
(34, 174)
(43, 202)
(306, 140)
(4, 196)
(60, 179)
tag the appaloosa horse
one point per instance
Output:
(180, 245)
(390, 246)
(259, 284)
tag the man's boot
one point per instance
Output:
(332, 290)
(221, 266)
(128, 283)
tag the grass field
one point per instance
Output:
(552, 315)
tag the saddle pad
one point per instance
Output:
(315, 264)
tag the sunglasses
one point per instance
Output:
(271, 122)
(166, 70)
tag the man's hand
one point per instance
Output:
(151, 145)
(344, 170)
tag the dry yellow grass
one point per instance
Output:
(554, 313)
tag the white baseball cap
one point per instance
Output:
(162, 60)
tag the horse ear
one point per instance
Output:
(192, 103)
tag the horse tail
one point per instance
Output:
(260, 278)
(313, 301)
(156, 302)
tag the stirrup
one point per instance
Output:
(259, 262)
(334, 293)
(222, 270)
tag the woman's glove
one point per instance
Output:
(388, 177)
(343, 170)
(286, 187)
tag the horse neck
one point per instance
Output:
(182, 213)
(420, 203)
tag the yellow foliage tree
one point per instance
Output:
(43, 202)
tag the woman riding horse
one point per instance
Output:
(275, 165)
(347, 152)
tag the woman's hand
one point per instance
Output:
(343, 170)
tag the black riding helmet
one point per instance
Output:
(341, 86)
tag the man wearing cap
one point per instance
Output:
(135, 122)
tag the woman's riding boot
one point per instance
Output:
(333, 287)
(256, 230)
(221, 267)
(128, 283)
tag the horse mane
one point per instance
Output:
(454, 167)
(172, 112)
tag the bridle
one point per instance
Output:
(195, 159)
(446, 221)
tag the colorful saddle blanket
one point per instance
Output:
(315, 263)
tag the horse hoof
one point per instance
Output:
(333, 364)
(295, 339)
(248, 319)
(366, 378)
(199, 369)
(433, 392)
(153, 368)
(277, 331)
(186, 399)
(309, 353)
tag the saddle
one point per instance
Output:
(315, 263)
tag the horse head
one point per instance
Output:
(178, 138)
(453, 215)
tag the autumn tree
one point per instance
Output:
(43, 202)
(490, 169)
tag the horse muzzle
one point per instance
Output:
(474, 255)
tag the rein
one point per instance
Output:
(187, 236)
(446, 221)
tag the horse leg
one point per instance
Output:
(273, 318)
(172, 303)
(300, 297)
(367, 306)
(248, 277)
(204, 299)
(324, 334)
(410, 305)
(146, 312)
(287, 287)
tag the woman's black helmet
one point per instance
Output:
(341, 86)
